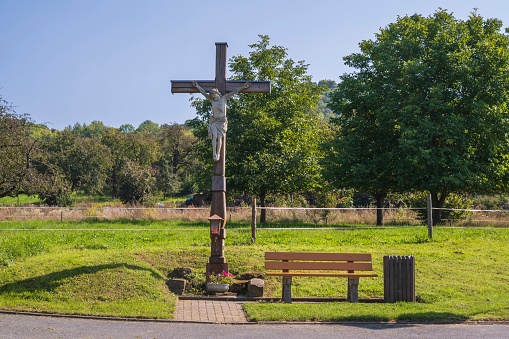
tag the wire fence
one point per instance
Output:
(275, 216)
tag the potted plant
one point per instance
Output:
(219, 283)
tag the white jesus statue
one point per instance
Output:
(218, 123)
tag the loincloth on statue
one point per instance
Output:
(217, 127)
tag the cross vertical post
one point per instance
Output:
(217, 262)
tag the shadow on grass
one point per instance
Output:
(50, 282)
(404, 320)
(436, 317)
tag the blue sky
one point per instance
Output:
(66, 61)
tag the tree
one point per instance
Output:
(24, 167)
(322, 109)
(177, 160)
(135, 147)
(427, 108)
(136, 183)
(95, 129)
(84, 161)
(272, 140)
(177, 145)
(167, 182)
(14, 169)
(126, 129)
(148, 127)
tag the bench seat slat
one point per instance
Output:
(320, 274)
(310, 256)
(313, 265)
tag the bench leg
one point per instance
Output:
(353, 290)
(287, 290)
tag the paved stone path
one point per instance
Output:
(210, 311)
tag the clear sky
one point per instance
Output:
(69, 61)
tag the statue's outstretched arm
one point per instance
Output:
(202, 91)
(229, 95)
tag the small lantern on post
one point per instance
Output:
(217, 262)
(216, 223)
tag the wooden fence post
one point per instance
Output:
(430, 217)
(253, 220)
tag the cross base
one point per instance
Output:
(215, 268)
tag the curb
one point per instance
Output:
(277, 299)
(357, 323)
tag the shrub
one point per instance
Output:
(453, 201)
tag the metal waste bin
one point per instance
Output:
(399, 278)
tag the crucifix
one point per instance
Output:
(219, 91)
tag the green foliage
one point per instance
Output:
(24, 166)
(272, 139)
(177, 145)
(136, 183)
(222, 278)
(330, 198)
(489, 202)
(83, 160)
(322, 110)
(95, 129)
(126, 129)
(60, 196)
(148, 127)
(167, 182)
(426, 108)
(137, 148)
(453, 201)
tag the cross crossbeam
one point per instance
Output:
(184, 86)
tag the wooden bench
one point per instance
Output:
(295, 264)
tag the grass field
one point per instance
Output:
(83, 200)
(119, 268)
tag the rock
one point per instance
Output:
(251, 275)
(255, 288)
(181, 272)
(239, 287)
(178, 286)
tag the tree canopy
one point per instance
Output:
(273, 139)
(426, 108)
(24, 167)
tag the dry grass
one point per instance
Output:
(317, 217)
(242, 215)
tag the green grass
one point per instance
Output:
(87, 199)
(121, 269)
(21, 200)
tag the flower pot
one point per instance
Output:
(217, 288)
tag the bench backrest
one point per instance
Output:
(318, 261)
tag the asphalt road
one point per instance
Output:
(25, 326)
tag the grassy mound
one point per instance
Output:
(120, 269)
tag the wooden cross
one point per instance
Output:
(217, 262)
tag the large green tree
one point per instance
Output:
(84, 160)
(24, 166)
(273, 139)
(137, 148)
(426, 108)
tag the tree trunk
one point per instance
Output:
(438, 202)
(262, 210)
(114, 190)
(380, 200)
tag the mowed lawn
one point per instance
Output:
(120, 268)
